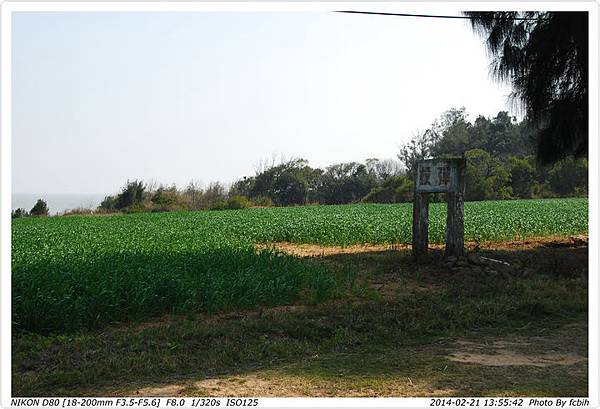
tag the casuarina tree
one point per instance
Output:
(544, 56)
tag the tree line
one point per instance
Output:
(40, 208)
(500, 164)
(499, 152)
(501, 161)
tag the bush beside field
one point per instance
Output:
(83, 272)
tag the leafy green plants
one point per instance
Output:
(84, 272)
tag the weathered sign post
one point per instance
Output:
(439, 176)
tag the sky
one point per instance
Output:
(102, 97)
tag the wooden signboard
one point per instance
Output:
(439, 176)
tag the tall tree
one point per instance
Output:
(452, 130)
(345, 183)
(544, 55)
(132, 193)
(419, 147)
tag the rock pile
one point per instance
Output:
(476, 264)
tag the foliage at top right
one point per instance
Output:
(544, 55)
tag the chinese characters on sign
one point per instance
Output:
(435, 176)
(439, 176)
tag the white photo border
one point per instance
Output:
(438, 7)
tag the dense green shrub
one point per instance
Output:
(109, 203)
(219, 204)
(39, 209)
(165, 198)
(15, 214)
(396, 189)
(238, 202)
(262, 201)
(131, 194)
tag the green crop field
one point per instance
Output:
(80, 272)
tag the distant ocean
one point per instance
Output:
(57, 202)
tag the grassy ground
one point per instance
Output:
(399, 329)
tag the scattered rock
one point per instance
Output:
(475, 264)
(495, 262)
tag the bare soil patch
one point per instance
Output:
(274, 385)
(505, 357)
(245, 385)
(316, 250)
(534, 350)
(580, 240)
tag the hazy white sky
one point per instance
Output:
(99, 98)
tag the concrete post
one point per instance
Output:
(455, 220)
(447, 176)
(420, 225)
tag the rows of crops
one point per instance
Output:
(77, 272)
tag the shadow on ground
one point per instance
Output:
(400, 329)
